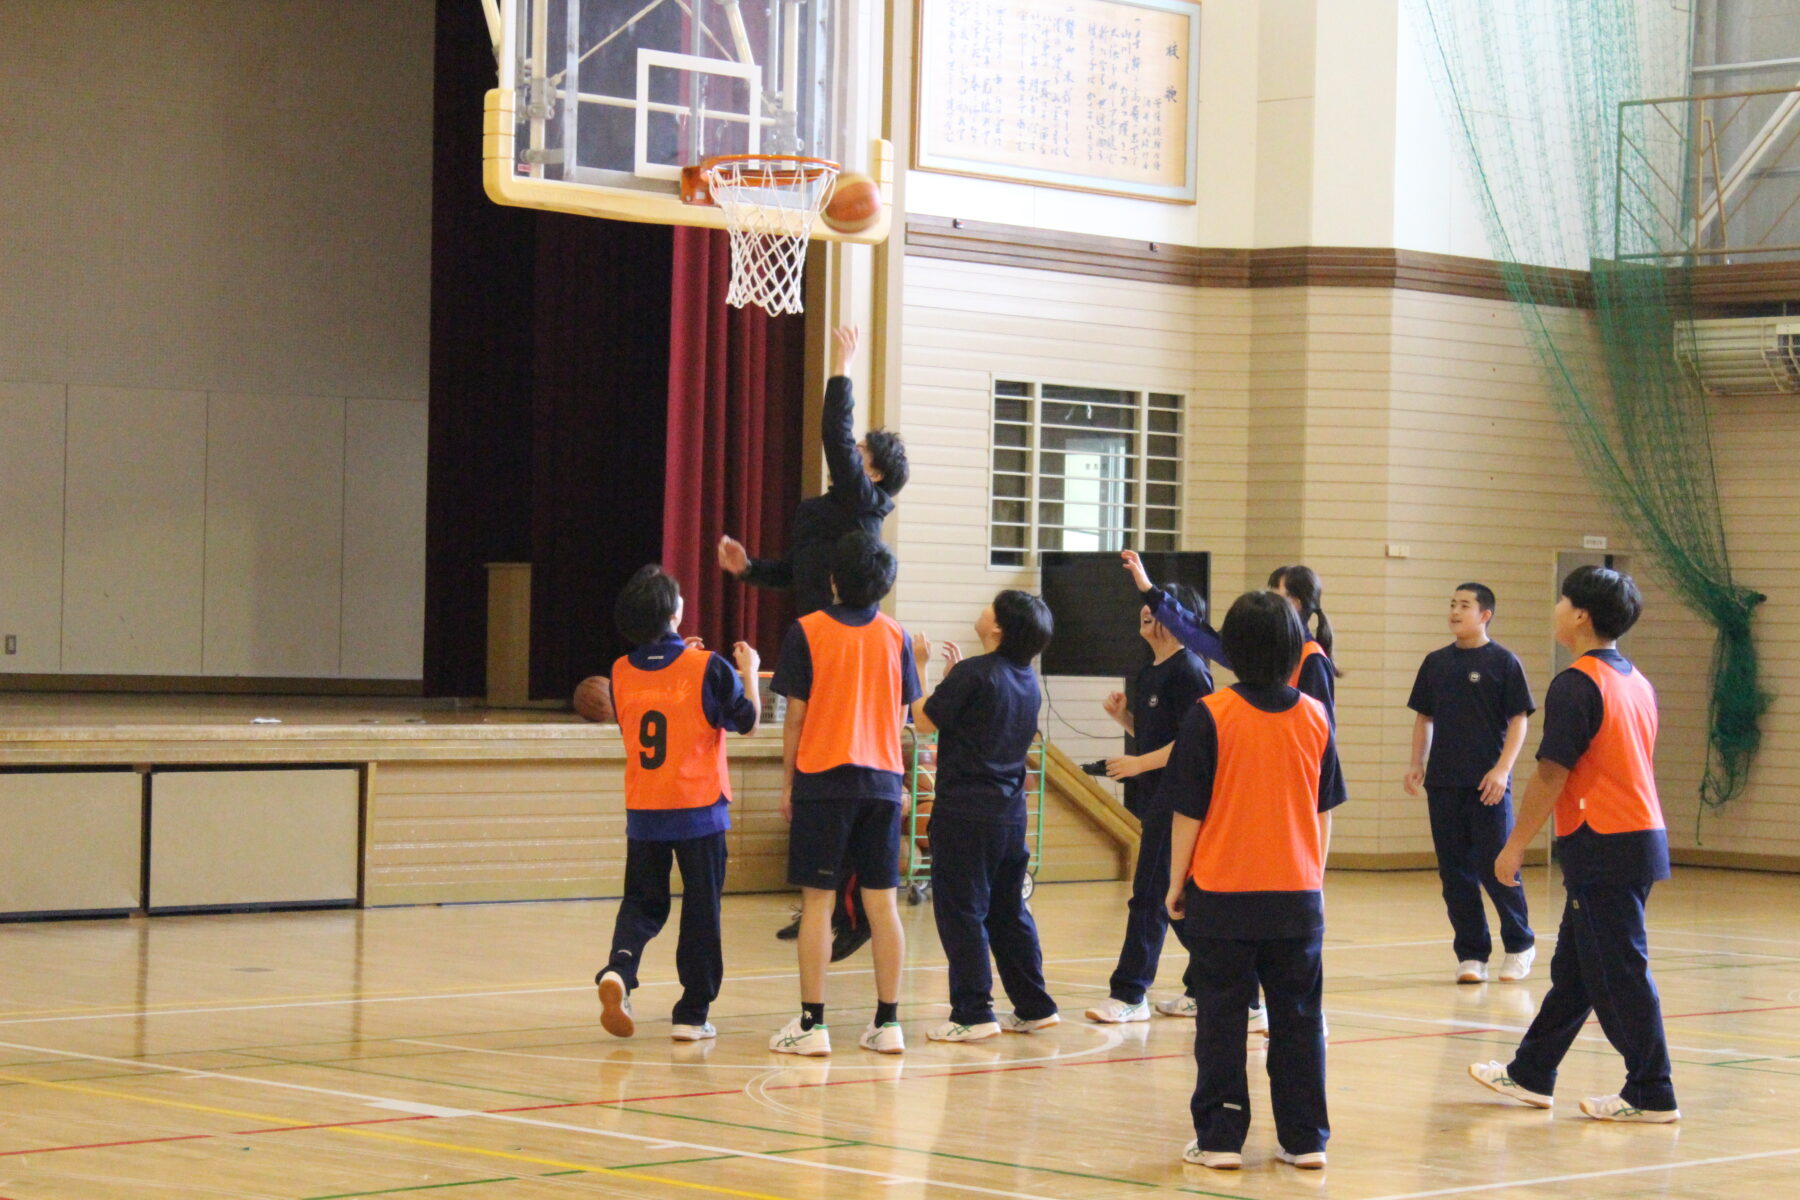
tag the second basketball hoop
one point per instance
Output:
(770, 202)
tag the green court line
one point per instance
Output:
(988, 1162)
(666, 1162)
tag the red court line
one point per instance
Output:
(1095, 1062)
(183, 1137)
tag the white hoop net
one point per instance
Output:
(769, 206)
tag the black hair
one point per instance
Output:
(1025, 625)
(887, 454)
(1484, 595)
(863, 569)
(1303, 584)
(1188, 598)
(1610, 599)
(1263, 638)
(646, 604)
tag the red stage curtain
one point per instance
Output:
(735, 432)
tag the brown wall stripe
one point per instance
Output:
(1717, 289)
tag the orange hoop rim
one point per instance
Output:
(792, 169)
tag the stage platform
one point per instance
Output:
(135, 803)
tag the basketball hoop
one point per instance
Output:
(770, 202)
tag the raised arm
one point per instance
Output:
(1188, 629)
(850, 481)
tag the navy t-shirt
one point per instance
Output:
(793, 678)
(726, 707)
(1470, 696)
(986, 711)
(1160, 699)
(1188, 788)
(1573, 710)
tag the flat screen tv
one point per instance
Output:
(1096, 608)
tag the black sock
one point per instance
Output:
(811, 1014)
(887, 1012)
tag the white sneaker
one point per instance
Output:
(1258, 1029)
(792, 1039)
(1615, 1108)
(885, 1039)
(950, 1031)
(693, 1033)
(1492, 1075)
(1013, 1023)
(1313, 1161)
(1515, 967)
(1112, 1011)
(615, 1005)
(1180, 1006)
(1218, 1160)
(1471, 970)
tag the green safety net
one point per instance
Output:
(1579, 174)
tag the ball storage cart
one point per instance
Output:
(921, 786)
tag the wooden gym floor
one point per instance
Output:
(454, 1052)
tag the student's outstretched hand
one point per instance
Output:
(732, 558)
(694, 641)
(1413, 780)
(844, 351)
(747, 659)
(952, 655)
(1175, 903)
(1135, 566)
(1114, 704)
(921, 651)
(1493, 786)
(1124, 766)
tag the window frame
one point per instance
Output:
(1137, 528)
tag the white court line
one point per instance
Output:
(134, 1013)
(392, 1104)
(1518, 1183)
(1495, 1027)
(1109, 1039)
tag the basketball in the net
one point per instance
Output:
(855, 203)
(593, 700)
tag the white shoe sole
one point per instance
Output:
(1515, 1096)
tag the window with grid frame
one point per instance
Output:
(1082, 468)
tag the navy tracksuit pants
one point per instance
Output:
(1147, 920)
(977, 887)
(1601, 965)
(699, 962)
(1293, 982)
(1469, 836)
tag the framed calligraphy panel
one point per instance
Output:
(1094, 95)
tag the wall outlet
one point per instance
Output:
(12, 643)
(1398, 550)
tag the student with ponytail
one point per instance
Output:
(1317, 673)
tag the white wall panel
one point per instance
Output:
(384, 540)
(31, 524)
(274, 535)
(135, 531)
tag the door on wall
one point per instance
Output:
(1566, 561)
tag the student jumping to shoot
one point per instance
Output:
(674, 705)
(1473, 707)
(1252, 780)
(985, 713)
(847, 671)
(1596, 773)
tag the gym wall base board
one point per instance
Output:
(228, 839)
(70, 842)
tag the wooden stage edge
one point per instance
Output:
(407, 801)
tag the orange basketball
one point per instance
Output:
(855, 203)
(922, 843)
(593, 700)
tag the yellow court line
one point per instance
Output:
(382, 1135)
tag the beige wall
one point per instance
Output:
(1326, 425)
(213, 336)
